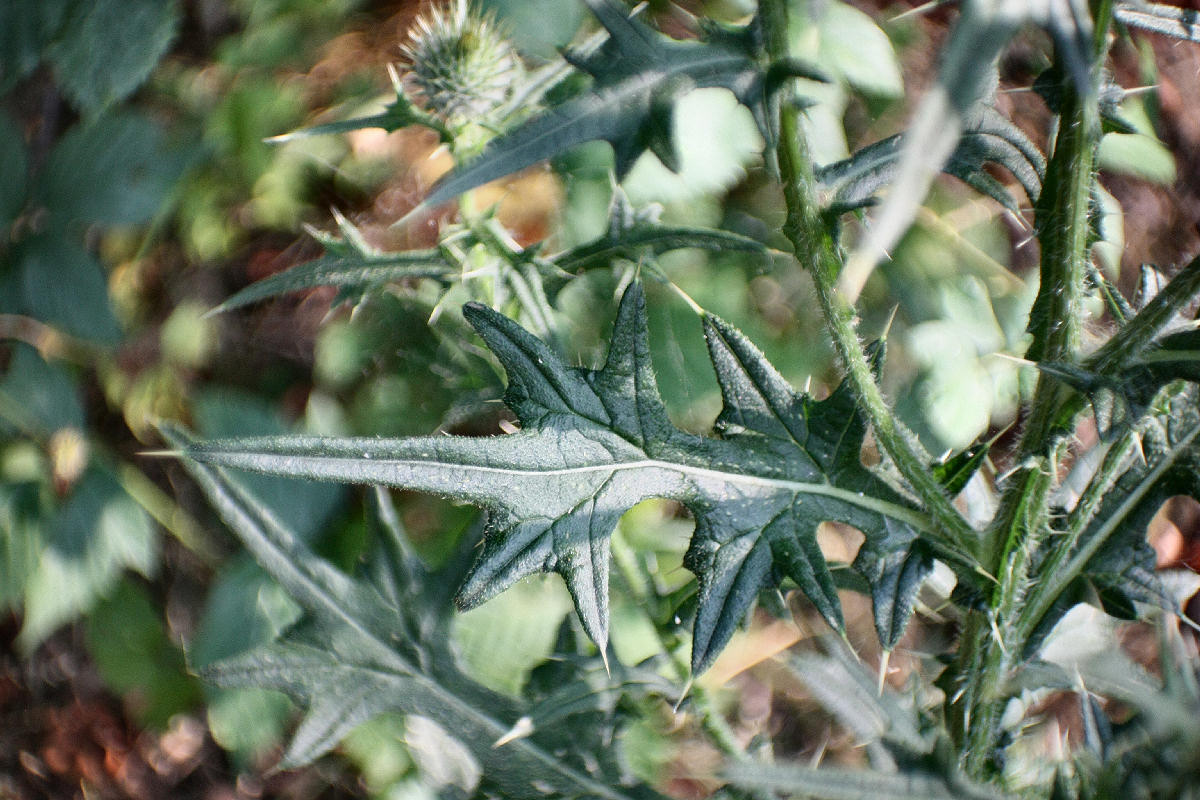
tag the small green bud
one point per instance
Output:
(462, 66)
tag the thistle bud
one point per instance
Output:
(462, 67)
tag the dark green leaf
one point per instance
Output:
(359, 656)
(954, 472)
(12, 171)
(135, 658)
(62, 284)
(108, 47)
(597, 442)
(115, 170)
(1175, 356)
(989, 138)
(26, 28)
(638, 75)
(350, 264)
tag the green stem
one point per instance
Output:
(814, 248)
(1022, 523)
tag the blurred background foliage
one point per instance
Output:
(137, 192)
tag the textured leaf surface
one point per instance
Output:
(637, 76)
(965, 78)
(349, 263)
(845, 784)
(597, 442)
(1180, 23)
(989, 138)
(355, 267)
(1113, 552)
(108, 47)
(360, 654)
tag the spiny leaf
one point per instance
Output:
(832, 783)
(638, 75)
(635, 233)
(853, 182)
(1112, 550)
(350, 264)
(400, 113)
(357, 268)
(1175, 356)
(966, 76)
(651, 239)
(357, 655)
(597, 442)
(1180, 23)
(954, 472)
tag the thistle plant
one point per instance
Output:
(1063, 528)
(462, 70)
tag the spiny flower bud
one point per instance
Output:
(462, 66)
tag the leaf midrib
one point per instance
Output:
(324, 600)
(824, 489)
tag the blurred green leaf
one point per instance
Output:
(540, 28)
(13, 168)
(248, 723)
(715, 140)
(97, 534)
(1140, 152)
(21, 539)
(305, 507)
(26, 28)
(57, 281)
(136, 659)
(847, 42)
(832, 783)
(45, 394)
(245, 608)
(114, 170)
(108, 47)
(503, 640)
(1168, 20)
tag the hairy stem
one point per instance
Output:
(814, 248)
(1022, 522)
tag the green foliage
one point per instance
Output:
(381, 643)
(590, 444)
(596, 443)
(672, 533)
(637, 76)
(106, 49)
